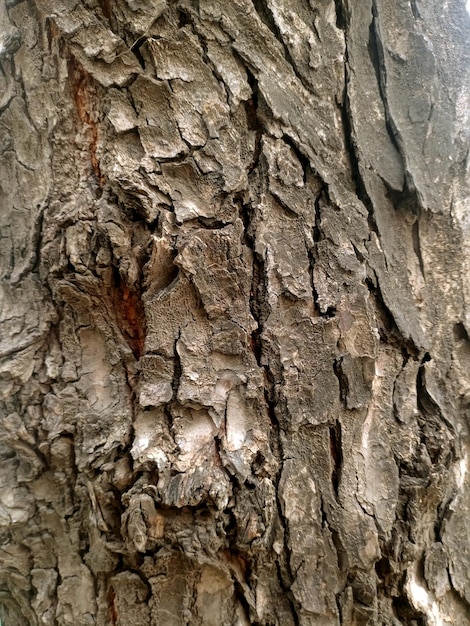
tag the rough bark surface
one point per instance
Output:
(234, 346)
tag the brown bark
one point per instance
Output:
(234, 318)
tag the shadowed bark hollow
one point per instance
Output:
(234, 315)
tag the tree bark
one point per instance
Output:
(234, 346)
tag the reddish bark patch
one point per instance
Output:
(52, 31)
(84, 99)
(112, 610)
(236, 562)
(106, 8)
(130, 315)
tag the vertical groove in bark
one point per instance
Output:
(234, 330)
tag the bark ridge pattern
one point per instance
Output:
(234, 317)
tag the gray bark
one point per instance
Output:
(234, 346)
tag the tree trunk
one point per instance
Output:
(234, 313)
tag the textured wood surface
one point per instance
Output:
(234, 313)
